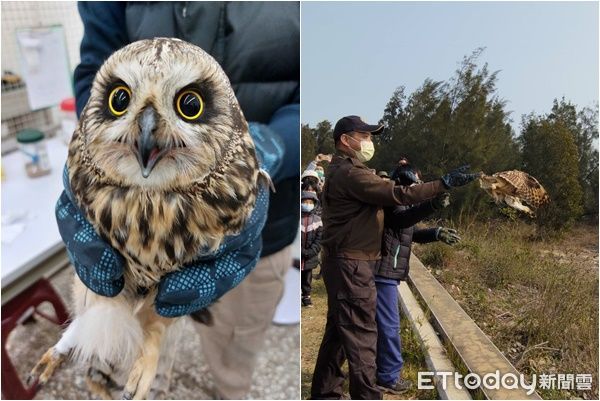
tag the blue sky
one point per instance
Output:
(355, 54)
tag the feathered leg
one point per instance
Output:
(516, 203)
(99, 380)
(145, 367)
(46, 366)
(162, 382)
(55, 356)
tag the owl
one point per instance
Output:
(163, 167)
(517, 189)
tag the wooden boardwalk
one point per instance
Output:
(474, 348)
(436, 357)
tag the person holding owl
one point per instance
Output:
(257, 45)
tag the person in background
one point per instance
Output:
(310, 181)
(321, 172)
(383, 174)
(398, 234)
(353, 200)
(258, 46)
(311, 229)
(315, 166)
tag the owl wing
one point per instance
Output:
(527, 187)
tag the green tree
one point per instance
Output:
(309, 145)
(583, 125)
(316, 140)
(588, 118)
(443, 125)
(394, 120)
(550, 154)
(324, 137)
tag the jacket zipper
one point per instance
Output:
(396, 257)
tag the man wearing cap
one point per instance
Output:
(353, 199)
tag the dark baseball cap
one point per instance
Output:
(354, 123)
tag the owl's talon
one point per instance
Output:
(127, 396)
(47, 364)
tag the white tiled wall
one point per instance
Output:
(27, 14)
(18, 15)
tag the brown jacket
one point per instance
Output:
(353, 199)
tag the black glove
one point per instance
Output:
(441, 201)
(459, 177)
(448, 236)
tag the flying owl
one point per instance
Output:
(163, 166)
(517, 189)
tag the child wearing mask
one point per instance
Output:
(311, 228)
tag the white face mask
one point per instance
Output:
(306, 207)
(366, 152)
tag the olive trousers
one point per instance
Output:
(241, 318)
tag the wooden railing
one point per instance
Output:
(453, 326)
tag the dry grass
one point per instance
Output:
(313, 324)
(536, 299)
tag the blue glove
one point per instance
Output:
(98, 265)
(269, 148)
(198, 284)
(280, 140)
(459, 177)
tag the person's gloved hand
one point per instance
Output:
(441, 201)
(284, 125)
(448, 236)
(459, 177)
(98, 265)
(270, 149)
(202, 282)
(198, 284)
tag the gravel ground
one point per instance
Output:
(277, 374)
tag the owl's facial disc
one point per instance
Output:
(147, 148)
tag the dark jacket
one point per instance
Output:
(256, 43)
(398, 235)
(311, 229)
(353, 200)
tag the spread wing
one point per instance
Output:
(527, 187)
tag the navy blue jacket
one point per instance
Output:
(398, 235)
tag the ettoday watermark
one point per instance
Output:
(510, 381)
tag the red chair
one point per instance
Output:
(41, 291)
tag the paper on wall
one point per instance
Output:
(45, 66)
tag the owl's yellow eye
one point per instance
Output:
(118, 100)
(189, 105)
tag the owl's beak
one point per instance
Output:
(147, 148)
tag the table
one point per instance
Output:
(32, 256)
(38, 251)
